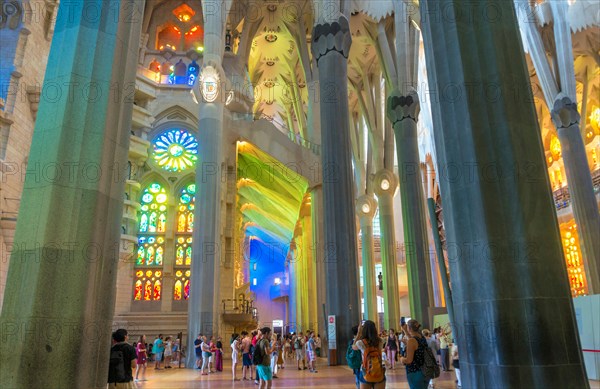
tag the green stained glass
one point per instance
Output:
(152, 222)
(159, 256)
(179, 256)
(140, 256)
(175, 150)
(144, 223)
(188, 255)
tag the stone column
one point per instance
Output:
(316, 196)
(203, 305)
(330, 46)
(585, 207)
(403, 112)
(506, 263)
(366, 206)
(60, 291)
(385, 185)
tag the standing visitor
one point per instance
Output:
(263, 369)
(141, 358)
(168, 352)
(372, 371)
(455, 364)
(415, 355)
(213, 352)
(432, 344)
(354, 357)
(274, 354)
(198, 350)
(287, 347)
(311, 352)
(219, 355)
(392, 347)
(206, 354)
(176, 351)
(445, 350)
(246, 356)
(122, 361)
(280, 360)
(318, 345)
(235, 348)
(299, 353)
(157, 349)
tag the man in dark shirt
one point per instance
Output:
(129, 361)
(198, 349)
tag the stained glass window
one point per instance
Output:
(181, 290)
(148, 285)
(183, 242)
(153, 217)
(175, 150)
(150, 253)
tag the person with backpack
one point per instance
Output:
(354, 357)
(262, 358)
(122, 361)
(416, 347)
(372, 370)
(433, 345)
(298, 346)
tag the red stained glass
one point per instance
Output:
(138, 290)
(157, 290)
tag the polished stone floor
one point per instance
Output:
(331, 377)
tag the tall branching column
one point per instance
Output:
(506, 262)
(206, 261)
(330, 46)
(403, 112)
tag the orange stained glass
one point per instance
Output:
(149, 273)
(139, 273)
(137, 295)
(177, 290)
(148, 291)
(158, 273)
(157, 290)
(187, 273)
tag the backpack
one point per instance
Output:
(116, 367)
(257, 354)
(353, 357)
(372, 365)
(430, 368)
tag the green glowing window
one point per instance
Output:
(153, 216)
(175, 150)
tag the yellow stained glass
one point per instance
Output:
(148, 291)
(177, 290)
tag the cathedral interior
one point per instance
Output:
(186, 166)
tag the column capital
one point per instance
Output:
(564, 113)
(366, 206)
(400, 107)
(385, 182)
(329, 37)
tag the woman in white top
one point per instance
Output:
(235, 348)
(168, 352)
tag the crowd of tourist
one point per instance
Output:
(264, 354)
